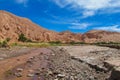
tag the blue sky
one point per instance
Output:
(74, 15)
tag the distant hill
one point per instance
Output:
(101, 36)
(11, 26)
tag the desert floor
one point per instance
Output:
(60, 63)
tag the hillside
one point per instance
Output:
(11, 26)
(101, 36)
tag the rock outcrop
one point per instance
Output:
(114, 66)
(101, 36)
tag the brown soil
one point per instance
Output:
(62, 63)
(11, 63)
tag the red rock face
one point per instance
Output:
(101, 36)
(11, 26)
(68, 36)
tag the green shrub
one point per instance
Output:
(8, 39)
(81, 43)
(5, 43)
(22, 38)
(14, 44)
(55, 42)
(73, 42)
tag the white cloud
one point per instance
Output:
(109, 28)
(88, 13)
(90, 7)
(79, 25)
(24, 2)
(62, 4)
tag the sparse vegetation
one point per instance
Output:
(73, 43)
(108, 44)
(7, 39)
(55, 43)
(46, 44)
(5, 43)
(14, 44)
(31, 44)
(22, 38)
(8, 73)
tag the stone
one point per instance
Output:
(37, 73)
(1, 58)
(30, 71)
(50, 72)
(91, 78)
(110, 64)
(62, 49)
(61, 75)
(56, 73)
(115, 75)
(29, 61)
(32, 57)
(19, 69)
(52, 54)
(30, 75)
(18, 74)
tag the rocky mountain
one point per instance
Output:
(11, 26)
(101, 36)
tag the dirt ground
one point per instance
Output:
(58, 63)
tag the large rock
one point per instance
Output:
(110, 64)
(113, 66)
(115, 75)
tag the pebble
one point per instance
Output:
(37, 73)
(1, 58)
(32, 57)
(61, 75)
(18, 74)
(91, 78)
(50, 72)
(53, 54)
(30, 71)
(30, 75)
(29, 61)
(19, 69)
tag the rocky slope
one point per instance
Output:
(68, 36)
(11, 26)
(101, 36)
